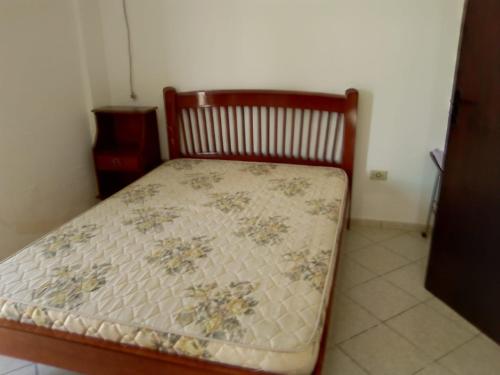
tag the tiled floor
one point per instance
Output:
(384, 321)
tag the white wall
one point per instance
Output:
(46, 173)
(90, 41)
(399, 53)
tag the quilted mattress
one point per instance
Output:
(222, 260)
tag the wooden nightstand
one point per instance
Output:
(126, 147)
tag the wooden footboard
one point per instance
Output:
(96, 356)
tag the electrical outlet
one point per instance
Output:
(378, 175)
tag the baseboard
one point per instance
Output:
(388, 224)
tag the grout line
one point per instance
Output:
(425, 302)
(412, 344)
(388, 224)
(425, 354)
(416, 348)
(363, 308)
(358, 334)
(380, 242)
(391, 237)
(434, 363)
(344, 292)
(354, 360)
(381, 275)
(394, 251)
(456, 347)
(411, 260)
(361, 247)
(381, 320)
(444, 355)
(366, 268)
(407, 292)
(403, 311)
(16, 369)
(420, 370)
(384, 321)
(452, 320)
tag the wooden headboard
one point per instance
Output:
(263, 125)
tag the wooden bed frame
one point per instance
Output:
(252, 125)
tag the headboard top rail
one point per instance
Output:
(263, 98)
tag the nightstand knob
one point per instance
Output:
(116, 161)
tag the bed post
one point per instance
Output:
(351, 116)
(170, 96)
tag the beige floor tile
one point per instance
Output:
(411, 279)
(434, 369)
(28, 370)
(49, 370)
(354, 241)
(382, 351)
(480, 356)
(443, 309)
(409, 246)
(381, 298)
(378, 259)
(376, 234)
(337, 363)
(430, 331)
(8, 364)
(351, 274)
(348, 319)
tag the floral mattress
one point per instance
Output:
(221, 260)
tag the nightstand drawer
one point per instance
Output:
(117, 162)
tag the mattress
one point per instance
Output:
(226, 261)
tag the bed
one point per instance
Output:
(222, 260)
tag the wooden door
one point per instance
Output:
(464, 265)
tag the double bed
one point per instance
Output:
(221, 260)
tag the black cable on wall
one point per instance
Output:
(133, 95)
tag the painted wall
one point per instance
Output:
(46, 173)
(399, 53)
(95, 74)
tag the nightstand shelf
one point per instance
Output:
(126, 147)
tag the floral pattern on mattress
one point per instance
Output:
(138, 194)
(71, 286)
(217, 309)
(230, 202)
(66, 240)
(174, 255)
(151, 218)
(323, 207)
